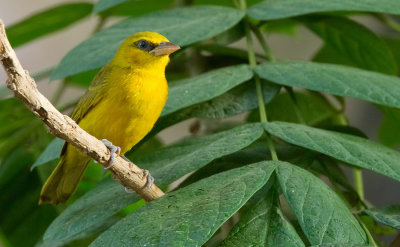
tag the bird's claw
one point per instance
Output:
(150, 179)
(113, 150)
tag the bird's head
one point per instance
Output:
(145, 50)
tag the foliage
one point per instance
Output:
(244, 183)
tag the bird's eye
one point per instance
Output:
(143, 44)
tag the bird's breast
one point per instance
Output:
(129, 110)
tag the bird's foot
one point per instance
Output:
(113, 150)
(150, 179)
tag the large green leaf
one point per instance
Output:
(14, 164)
(90, 210)
(313, 108)
(394, 45)
(322, 215)
(277, 9)
(130, 7)
(189, 216)
(328, 54)
(106, 4)
(389, 216)
(46, 22)
(263, 225)
(347, 148)
(51, 152)
(238, 100)
(223, 2)
(205, 86)
(188, 155)
(166, 165)
(22, 220)
(354, 42)
(183, 26)
(335, 79)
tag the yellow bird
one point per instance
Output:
(122, 104)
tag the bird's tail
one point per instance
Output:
(64, 180)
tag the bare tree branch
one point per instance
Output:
(62, 126)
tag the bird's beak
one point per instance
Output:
(165, 48)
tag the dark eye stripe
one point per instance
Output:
(144, 45)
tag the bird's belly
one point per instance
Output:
(123, 121)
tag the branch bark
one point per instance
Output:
(24, 87)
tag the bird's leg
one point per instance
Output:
(113, 150)
(150, 179)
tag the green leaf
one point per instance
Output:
(106, 4)
(183, 26)
(277, 9)
(31, 228)
(347, 148)
(322, 215)
(238, 100)
(51, 152)
(231, 161)
(256, 152)
(213, 2)
(189, 216)
(388, 130)
(13, 164)
(130, 8)
(166, 165)
(389, 216)
(375, 228)
(351, 40)
(90, 210)
(21, 218)
(328, 54)
(313, 107)
(82, 79)
(46, 22)
(205, 86)
(394, 45)
(191, 154)
(283, 26)
(335, 79)
(233, 34)
(263, 225)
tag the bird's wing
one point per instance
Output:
(90, 99)
(93, 96)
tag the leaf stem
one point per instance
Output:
(260, 96)
(271, 58)
(390, 22)
(263, 44)
(371, 239)
(358, 180)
